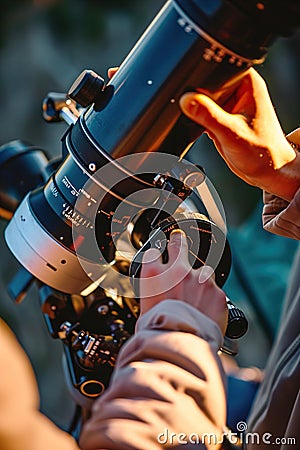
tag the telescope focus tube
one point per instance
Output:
(181, 50)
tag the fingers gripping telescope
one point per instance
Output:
(79, 226)
(136, 113)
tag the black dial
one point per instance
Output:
(207, 244)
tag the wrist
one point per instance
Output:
(283, 178)
(177, 315)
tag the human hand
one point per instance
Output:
(248, 136)
(111, 71)
(177, 280)
(232, 368)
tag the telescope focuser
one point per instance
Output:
(87, 88)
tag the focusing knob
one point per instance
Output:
(87, 88)
(237, 322)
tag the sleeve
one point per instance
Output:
(22, 426)
(167, 388)
(279, 216)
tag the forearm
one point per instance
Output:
(168, 377)
(22, 426)
(31, 430)
(281, 215)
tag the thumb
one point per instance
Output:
(111, 71)
(204, 111)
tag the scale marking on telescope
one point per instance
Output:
(216, 53)
(82, 191)
(69, 185)
(105, 213)
(73, 216)
(54, 190)
(112, 234)
(87, 195)
(201, 229)
(126, 220)
(186, 26)
(185, 22)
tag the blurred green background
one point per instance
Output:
(44, 45)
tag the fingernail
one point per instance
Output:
(189, 104)
(151, 255)
(206, 272)
(177, 230)
(111, 71)
(177, 234)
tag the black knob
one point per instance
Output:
(237, 322)
(87, 88)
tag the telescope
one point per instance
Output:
(79, 225)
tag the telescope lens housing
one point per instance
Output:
(190, 45)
